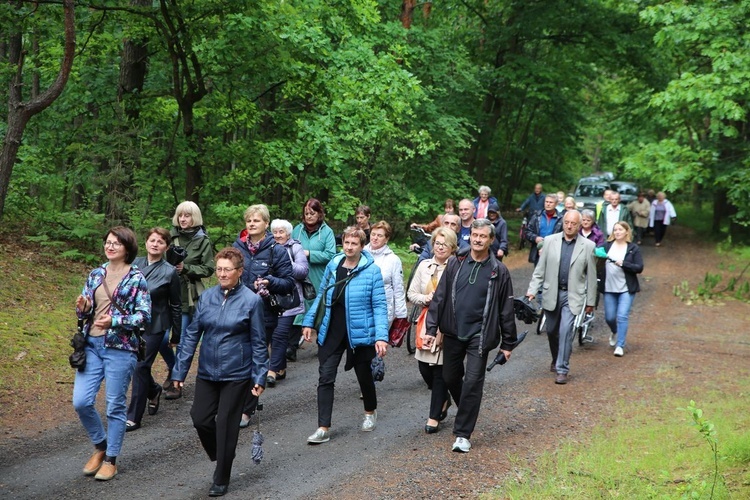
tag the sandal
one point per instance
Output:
(153, 407)
(132, 426)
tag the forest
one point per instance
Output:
(117, 110)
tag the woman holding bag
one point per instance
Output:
(115, 304)
(430, 359)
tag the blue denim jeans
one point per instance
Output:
(616, 313)
(115, 367)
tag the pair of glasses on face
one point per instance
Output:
(112, 244)
(222, 270)
(440, 244)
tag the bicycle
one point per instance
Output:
(583, 323)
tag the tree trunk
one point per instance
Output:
(19, 112)
(407, 12)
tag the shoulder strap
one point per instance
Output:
(109, 295)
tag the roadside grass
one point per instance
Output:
(37, 319)
(651, 449)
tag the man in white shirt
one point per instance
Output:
(612, 213)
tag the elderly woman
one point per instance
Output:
(282, 231)
(355, 322)
(114, 305)
(589, 229)
(620, 282)
(319, 244)
(390, 267)
(166, 313)
(233, 361)
(267, 270)
(430, 358)
(482, 202)
(661, 216)
(189, 233)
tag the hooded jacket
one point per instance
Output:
(300, 270)
(393, 280)
(499, 323)
(364, 295)
(233, 345)
(198, 264)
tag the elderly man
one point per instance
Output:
(614, 212)
(466, 213)
(567, 273)
(534, 202)
(473, 308)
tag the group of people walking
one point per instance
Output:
(462, 291)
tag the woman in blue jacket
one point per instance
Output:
(355, 322)
(233, 361)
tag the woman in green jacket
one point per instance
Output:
(189, 233)
(319, 244)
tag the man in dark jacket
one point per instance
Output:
(542, 224)
(499, 246)
(479, 286)
(534, 203)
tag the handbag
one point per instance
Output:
(176, 254)
(308, 289)
(422, 330)
(77, 358)
(398, 330)
(281, 302)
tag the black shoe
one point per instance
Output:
(430, 429)
(291, 354)
(132, 426)
(218, 490)
(173, 392)
(270, 381)
(444, 413)
(154, 407)
(281, 375)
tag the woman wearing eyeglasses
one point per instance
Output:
(115, 304)
(421, 290)
(233, 361)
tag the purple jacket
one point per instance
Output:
(596, 235)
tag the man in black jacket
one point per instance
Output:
(479, 286)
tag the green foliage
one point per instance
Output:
(707, 430)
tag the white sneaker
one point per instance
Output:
(462, 445)
(368, 424)
(320, 436)
(619, 352)
(612, 340)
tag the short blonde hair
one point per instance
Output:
(355, 232)
(190, 208)
(449, 235)
(258, 209)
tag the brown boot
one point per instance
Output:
(94, 463)
(107, 471)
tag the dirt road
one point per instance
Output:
(523, 413)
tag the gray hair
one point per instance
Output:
(484, 189)
(480, 223)
(587, 212)
(282, 224)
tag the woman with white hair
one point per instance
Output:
(189, 233)
(483, 201)
(282, 233)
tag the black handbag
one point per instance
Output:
(77, 358)
(176, 254)
(281, 302)
(308, 289)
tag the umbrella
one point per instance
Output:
(500, 359)
(257, 449)
(378, 368)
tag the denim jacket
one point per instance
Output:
(132, 295)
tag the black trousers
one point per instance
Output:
(144, 386)
(251, 402)
(466, 385)
(327, 380)
(660, 229)
(216, 414)
(433, 377)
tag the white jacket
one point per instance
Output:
(393, 279)
(669, 213)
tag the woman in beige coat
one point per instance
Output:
(430, 359)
